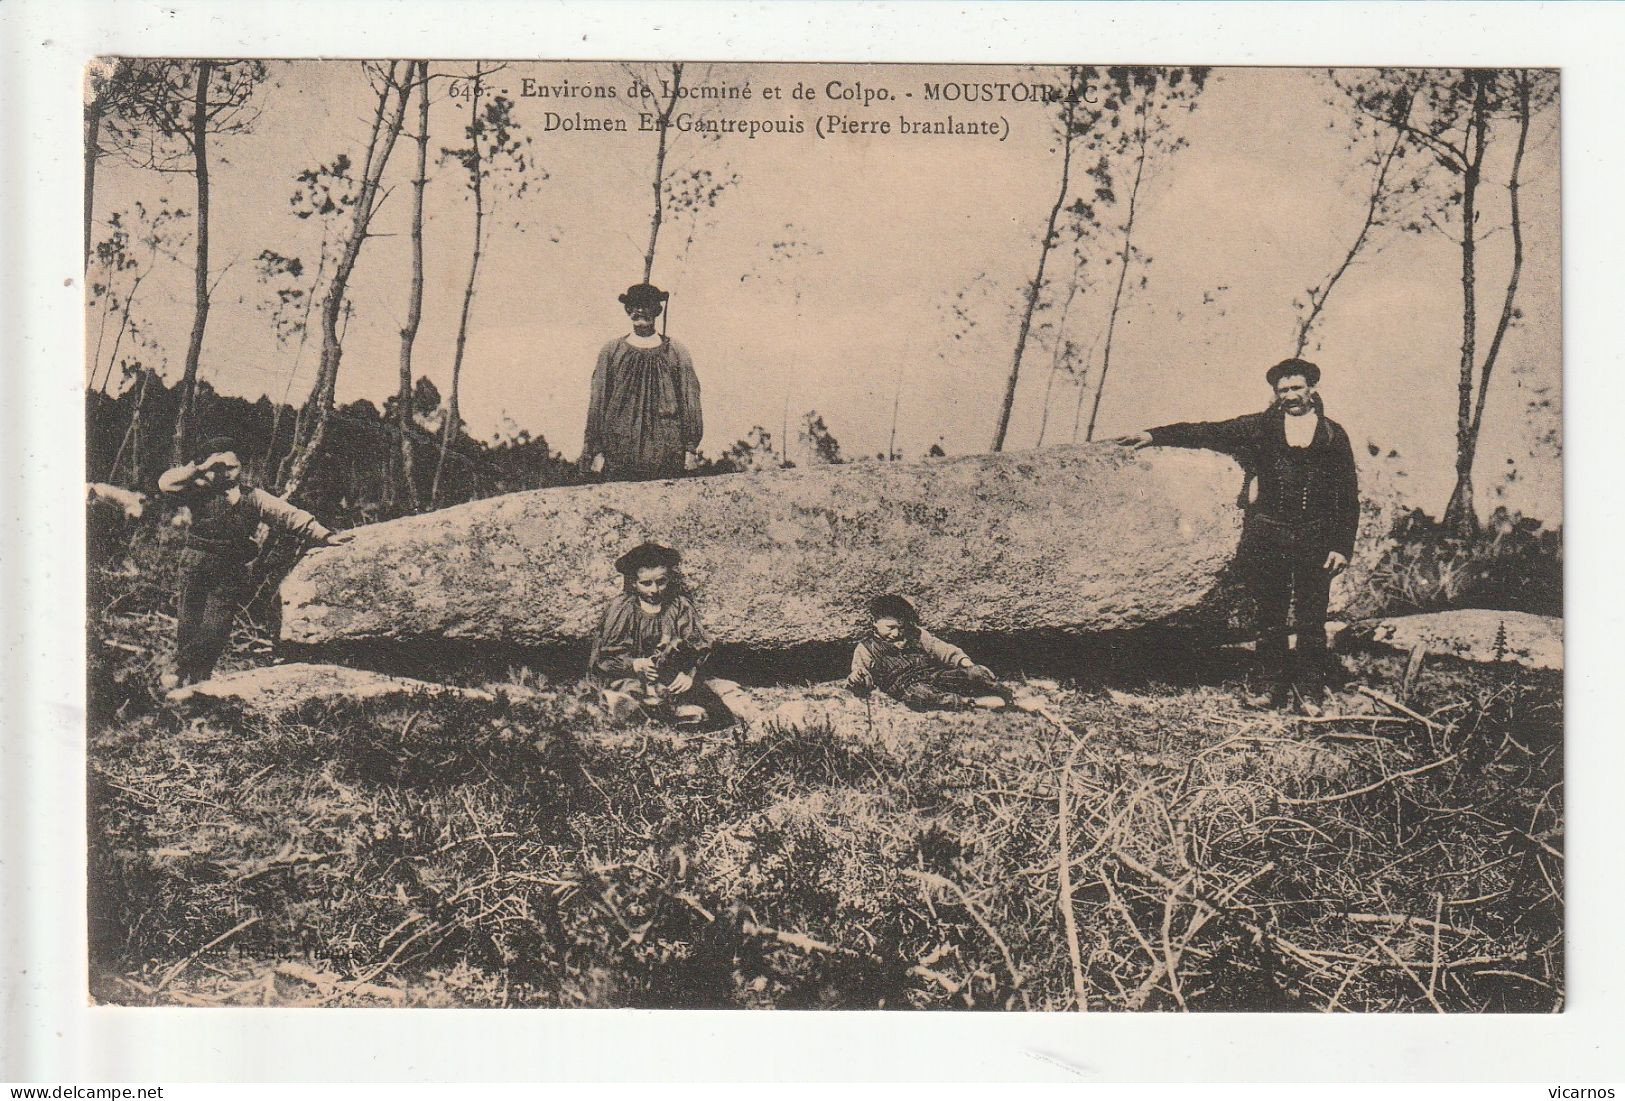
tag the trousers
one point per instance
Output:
(1283, 568)
(211, 590)
(946, 690)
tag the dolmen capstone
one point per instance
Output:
(1083, 539)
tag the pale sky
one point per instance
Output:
(889, 230)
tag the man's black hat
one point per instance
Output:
(892, 606)
(1309, 372)
(646, 556)
(644, 294)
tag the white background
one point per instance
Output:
(48, 1033)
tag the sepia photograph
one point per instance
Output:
(706, 535)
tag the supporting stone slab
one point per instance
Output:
(1471, 634)
(273, 689)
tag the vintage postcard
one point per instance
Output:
(714, 535)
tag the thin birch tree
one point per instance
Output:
(662, 128)
(392, 88)
(169, 113)
(1111, 118)
(1387, 189)
(1458, 118)
(680, 183)
(495, 153)
(1154, 96)
(1068, 126)
(407, 480)
(1063, 349)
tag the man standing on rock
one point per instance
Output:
(1299, 530)
(644, 420)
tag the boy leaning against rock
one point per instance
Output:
(219, 547)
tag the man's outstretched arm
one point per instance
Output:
(1231, 437)
(293, 519)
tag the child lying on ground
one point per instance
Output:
(650, 645)
(913, 666)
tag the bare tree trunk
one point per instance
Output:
(1379, 191)
(1122, 278)
(1049, 390)
(1037, 285)
(284, 468)
(137, 430)
(660, 169)
(132, 434)
(1461, 515)
(385, 130)
(453, 407)
(1057, 354)
(123, 326)
(101, 333)
(414, 305)
(93, 133)
(896, 403)
(1083, 392)
(1487, 368)
(298, 357)
(200, 278)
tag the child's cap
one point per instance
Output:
(892, 606)
(646, 556)
(214, 445)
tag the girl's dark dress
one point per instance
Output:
(673, 637)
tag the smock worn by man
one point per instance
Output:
(643, 418)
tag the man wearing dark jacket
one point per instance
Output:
(1299, 530)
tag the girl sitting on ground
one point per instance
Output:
(650, 645)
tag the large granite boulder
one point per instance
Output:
(1074, 539)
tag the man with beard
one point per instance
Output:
(1299, 530)
(643, 420)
